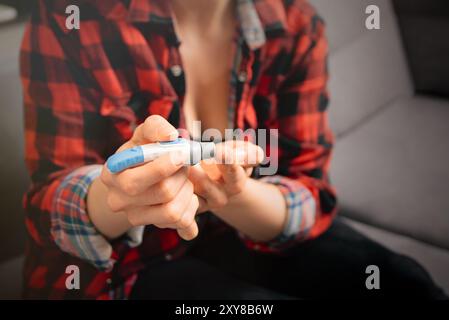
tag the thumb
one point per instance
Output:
(154, 129)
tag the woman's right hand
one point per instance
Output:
(157, 193)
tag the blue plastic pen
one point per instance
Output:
(195, 152)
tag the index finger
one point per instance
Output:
(242, 153)
(136, 180)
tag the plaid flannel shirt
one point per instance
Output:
(85, 90)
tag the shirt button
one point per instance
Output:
(109, 281)
(176, 70)
(168, 257)
(242, 76)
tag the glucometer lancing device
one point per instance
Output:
(139, 155)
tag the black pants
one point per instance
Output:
(331, 266)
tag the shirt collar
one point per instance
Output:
(272, 15)
(259, 19)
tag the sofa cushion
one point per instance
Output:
(424, 25)
(435, 260)
(427, 52)
(368, 68)
(344, 20)
(393, 171)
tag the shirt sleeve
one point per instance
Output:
(71, 227)
(301, 208)
(65, 130)
(305, 143)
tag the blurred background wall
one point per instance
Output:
(14, 178)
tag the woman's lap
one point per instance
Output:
(331, 266)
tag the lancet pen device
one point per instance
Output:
(136, 156)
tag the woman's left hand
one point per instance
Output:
(217, 180)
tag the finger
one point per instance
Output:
(234, 177)
(135, 180)
(202, 205)
(186, 219)
(154, 129)
(243, 153)
(162, 192)
(211, 191)
(189, 215)
(189, 233)
(162, 214)
(210, 168)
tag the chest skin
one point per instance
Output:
(207, 75)
(206, 58)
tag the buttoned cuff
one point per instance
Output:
(71, 227)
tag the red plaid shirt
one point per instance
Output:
(85, 90)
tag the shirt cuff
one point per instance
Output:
(71, 227)
(301, 210)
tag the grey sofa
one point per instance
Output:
(392, 152)
(391, 159)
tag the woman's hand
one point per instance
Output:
(216, 181)
(254, 208)
(157, 193)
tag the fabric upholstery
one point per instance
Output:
(393, 171)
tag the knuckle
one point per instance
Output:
(133, 221)
(172, 213)
(236, 188)
(185, 222)
(105, 177)
(113, 203)
(221, 202)
(129, 187)
(166, 191)
(160, 171)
